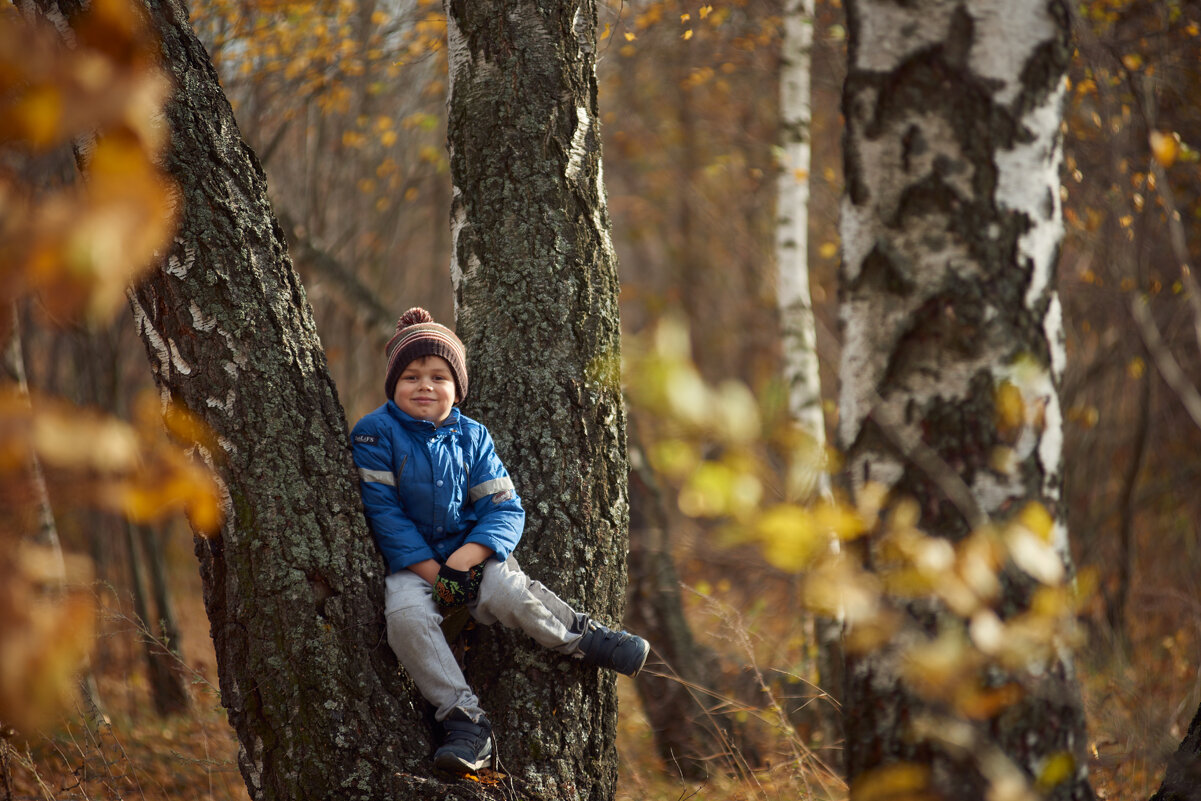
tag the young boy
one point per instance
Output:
(447, 518)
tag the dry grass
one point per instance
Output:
(1139, 700)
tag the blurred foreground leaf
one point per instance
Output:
(90, 98)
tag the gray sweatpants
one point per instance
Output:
(507, 595)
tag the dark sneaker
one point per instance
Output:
(466, 744)
(617, 650)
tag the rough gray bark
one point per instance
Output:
(536, 288)
(292, 581)
(950, 230)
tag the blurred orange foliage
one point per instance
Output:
(95, 89)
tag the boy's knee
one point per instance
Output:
(405, 623)
(501, 586)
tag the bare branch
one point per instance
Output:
(1168, 367)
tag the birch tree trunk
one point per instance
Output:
(535, 283)
(797, 323)
(798, 326)
(292, 581)
(951, 229)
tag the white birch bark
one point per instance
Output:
(950, 230)
(798, 328)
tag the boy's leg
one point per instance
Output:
(416, 637)
(510, 597)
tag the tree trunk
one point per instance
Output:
(535, 284)
(692, 736)
(292, 581)
(950, 231)
(1117, 602)
(797, 325)
(167, 688)
(1182, 779)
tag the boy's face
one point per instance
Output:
(426, 389)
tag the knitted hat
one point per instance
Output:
(418, 335)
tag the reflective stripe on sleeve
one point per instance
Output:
(377, 476)
(489, 488)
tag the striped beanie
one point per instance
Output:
(418, 335)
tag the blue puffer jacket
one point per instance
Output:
(428, 490)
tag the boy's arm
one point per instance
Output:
(468, 555)
(397, 537)
(428, 569)
(499, 516)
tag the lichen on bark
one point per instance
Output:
(536, 301)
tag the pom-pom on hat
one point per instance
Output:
(418, 335)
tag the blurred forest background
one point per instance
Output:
(344, 103)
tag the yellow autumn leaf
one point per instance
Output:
(906, 780)
(1165, 147)
(37, 667)
(984, 703)
(788, 536)
(1036, 519)
(836, 520)
(1010, 408)
(1056, 770)
(1035, 556)
(39, 114)
(186, 488)
(716, 489)
(57, 433)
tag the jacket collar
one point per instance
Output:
(425, 426)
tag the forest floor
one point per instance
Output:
(1138, 707)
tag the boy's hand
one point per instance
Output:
(458, 587)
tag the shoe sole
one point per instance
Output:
(459, 766)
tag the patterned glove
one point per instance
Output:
(458, 587)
